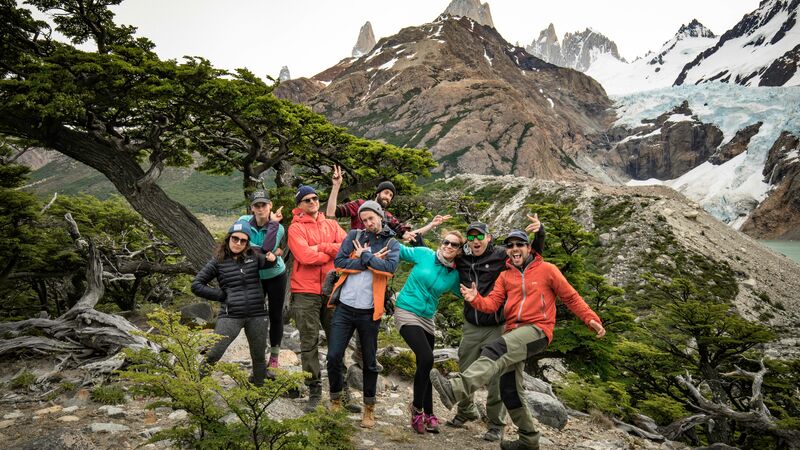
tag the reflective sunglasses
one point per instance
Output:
(472, 237)
(238, 240)
(311, 199)
(516, 244)
(446, 243)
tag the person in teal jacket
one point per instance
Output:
(267, 231)
(433, 274)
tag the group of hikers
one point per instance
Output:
(508, 293)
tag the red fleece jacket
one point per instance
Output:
(314, 244)
(530, 297)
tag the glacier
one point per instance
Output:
(732, 190)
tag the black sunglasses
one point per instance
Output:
(446, 243)
(516, 244)
(238, 240)
(311, 199)
(472, 237)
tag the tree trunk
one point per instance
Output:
(123, 170)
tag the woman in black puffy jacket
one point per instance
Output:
(235, 265)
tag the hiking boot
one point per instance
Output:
(336, 404)
(347, 401)
(444, 388)
(531, 442)
(368, 418)
(493, 434)
(417, 419)
(461, 419)
(273, 362)
(314, 397)
(431, 423)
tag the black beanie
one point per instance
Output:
(386, 185)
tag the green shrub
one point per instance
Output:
(111, 394)
(173, 376)
(23, 380)
(663, 409)
(404, 364)
(609, 397)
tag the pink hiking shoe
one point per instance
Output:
(273, 362)
(417, 419)
(431, 423)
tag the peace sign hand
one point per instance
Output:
(534, 226)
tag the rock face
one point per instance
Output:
(478, 103)
(737, 145)
(778, 217)
(667, 147)
(578, 51)
(474, 9)
(365, 42)
(760, 50)
(284, 75)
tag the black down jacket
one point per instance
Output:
(239, 285)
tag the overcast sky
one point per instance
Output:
(309, 36)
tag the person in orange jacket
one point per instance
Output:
(527, 293)
(314, 241)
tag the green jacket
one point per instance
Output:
(273, 232)
(428, 280)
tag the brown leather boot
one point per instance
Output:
(368, 418)
(336, 404)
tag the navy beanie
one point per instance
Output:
(240, 226)
(302, 191)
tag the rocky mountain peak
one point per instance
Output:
(473, 9)
(695, 29)
(365, 42)
(284, 75)
(577, 50)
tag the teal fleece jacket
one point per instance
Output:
(428, 280)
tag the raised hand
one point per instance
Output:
(336, 176)
(276, 216)
(438, 220)
(534, 226)
(598, 328)
(409, 236)
(469, 293)
(358, 249)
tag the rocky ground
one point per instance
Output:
(74, 421)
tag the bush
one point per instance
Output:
(663, 409)
(174, 377)
(23, 380)
(404, 364)
(111, 394)
(608, 397)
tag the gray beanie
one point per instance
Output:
(372, 205)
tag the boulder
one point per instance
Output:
(201, 310)
(546, 409)
(355, 379)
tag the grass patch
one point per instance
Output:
(23, 381)
(110, 394)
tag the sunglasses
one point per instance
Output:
(446, 243)
(310, 199)
(516, 244)
(472, 237)
(238, 240)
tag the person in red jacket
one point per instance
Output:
(314, 241)
(527, 292)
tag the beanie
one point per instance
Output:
(240, 226)
(371, 205)
(302, 191)
(386, 185)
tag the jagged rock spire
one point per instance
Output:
(284, 75)
(365, 42)
(473, 9)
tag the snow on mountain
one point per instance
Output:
(732, 190)
(656, 69)
(763, 49)
(473, 9)
(577, 51)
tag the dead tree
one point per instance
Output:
(83, 335)
(758, 418)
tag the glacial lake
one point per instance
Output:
(788, 248)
